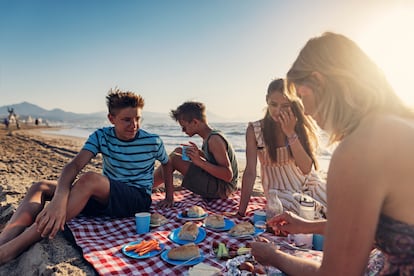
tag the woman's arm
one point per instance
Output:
(355, 197)
(249, 174)
(302, 159)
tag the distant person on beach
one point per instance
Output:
(129, 154)
(284, 141)
(370, 183)
(6, 122)
(213, 169)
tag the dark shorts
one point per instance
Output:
(204, 184)
(124, 201)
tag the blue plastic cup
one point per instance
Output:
(142, 222)
(259, 215)
(317, 242)
(184, 155)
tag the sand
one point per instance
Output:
(26, 156)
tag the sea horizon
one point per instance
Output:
(173, 137)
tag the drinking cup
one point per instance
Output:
(142, 222)
(318, 242)
(259, 215)
(184, 155)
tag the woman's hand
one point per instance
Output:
(288, 122)
(263, 252)
(288, 223)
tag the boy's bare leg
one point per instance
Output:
(28, 209)
(89, 185)
(16, 246)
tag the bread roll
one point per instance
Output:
(188, 232)
(158, 219)
(195, 212)
(215, 221)
(184, 252)
(244, 228)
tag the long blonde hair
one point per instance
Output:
(350, 86)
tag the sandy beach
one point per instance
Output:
(26, 156)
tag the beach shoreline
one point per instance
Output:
(28, 155)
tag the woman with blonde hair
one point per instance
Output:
(284, 141)
(370, 175)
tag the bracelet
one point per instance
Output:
(292, 139)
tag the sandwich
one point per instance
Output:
(195, 212)
(203, 269)
(158, 219)
(215, 221)
(184, 252)
(188, 232)
(241, 229)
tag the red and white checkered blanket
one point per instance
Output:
(101, 239)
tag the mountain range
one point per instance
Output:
(27, 110)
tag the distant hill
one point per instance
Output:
(25, 110)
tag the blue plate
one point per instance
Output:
(257, 232)
(180, 216)
(133, 254)
(164, 256)
(228, 224)
(174, 236)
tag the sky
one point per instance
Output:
(68, 54)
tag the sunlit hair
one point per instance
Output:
(117, 99)
(350, 84)
(305, 127)
(189, 111)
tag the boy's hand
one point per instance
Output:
(51, 219)
(166, 203)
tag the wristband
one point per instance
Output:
(292, 139)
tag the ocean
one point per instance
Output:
(173, 137)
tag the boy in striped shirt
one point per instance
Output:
(123, 188)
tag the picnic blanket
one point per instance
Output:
(102, 239)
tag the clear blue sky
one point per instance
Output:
(68, 54)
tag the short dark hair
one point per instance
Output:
(117, 99)
(189, 111)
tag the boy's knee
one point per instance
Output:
(88, 177)
(41, 186)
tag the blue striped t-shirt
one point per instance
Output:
(129, 162)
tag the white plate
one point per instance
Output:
(164, 256)
(228, 224)
(133, 254)
(174, 236)
(180, 216)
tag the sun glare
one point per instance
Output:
(389, 41)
